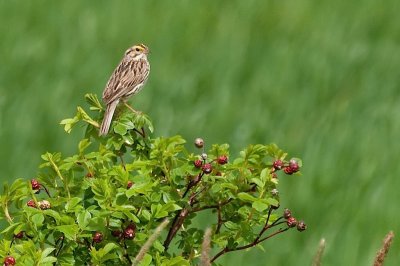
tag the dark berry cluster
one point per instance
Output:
(292, 221)
(128, 233)
(289, 168)
(201, 163)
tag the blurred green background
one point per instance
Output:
(319, 78)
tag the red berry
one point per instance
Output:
(287, 213)
(278, 164)
(89, 175)
(291, 222)
(9, 260)
(129, 185)
(19, 235)
(288, 170)
(199, 143)
(198, 163)
(294, 165)
(35, 184)
(222, 159)
(97, 237)
(301, 226)
(116, 233)
(207, 168)
(130, 231)
(31, 203)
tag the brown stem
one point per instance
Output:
(45, 189)
(211, 206)
(220, 222)
(252, 244)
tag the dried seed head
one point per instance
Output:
(301, 226)
(287, 213)
(44, 205)
(291, 222)
(199, 143)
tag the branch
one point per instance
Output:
(252, 244)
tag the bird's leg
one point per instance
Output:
(130, 108)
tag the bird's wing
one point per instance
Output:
(126, 77)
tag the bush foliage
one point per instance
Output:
(100, 206)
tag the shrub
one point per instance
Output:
(101, 205)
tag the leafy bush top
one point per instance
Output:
(100, 206)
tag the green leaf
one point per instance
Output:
(46, 252)
(246, 197)
(260, 206)
(84, 219)
(72, 204)
(93, 101)
(37, 219)
(109, 247)
(83, 144)
(69, 231)
(146, 260)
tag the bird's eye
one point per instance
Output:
(137, 50)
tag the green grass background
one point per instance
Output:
(319, 78)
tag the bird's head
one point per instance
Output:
(137, 51)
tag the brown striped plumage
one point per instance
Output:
(126, 80)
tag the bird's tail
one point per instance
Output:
(108, 115)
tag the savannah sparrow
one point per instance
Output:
(126, 80)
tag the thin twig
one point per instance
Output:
(320, 252)
(252, 244)
(149, 242)
(205, 249)
(380, 256)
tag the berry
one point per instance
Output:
(198, 163)
(294, 165)
(288, 170)
(199, 143)
(19, 235)
(291, 222)
(129, 185)
(287, 213)
(116, 233)
(204, 156)
(97, 237)
(44, 205)
(278, 164)
(301, 226)
(35, 184)
(130, 231)
(9, 260)
(207, 168)
(31, 203)
(89, 175)
(222, 159)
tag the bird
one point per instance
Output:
(128, 78)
